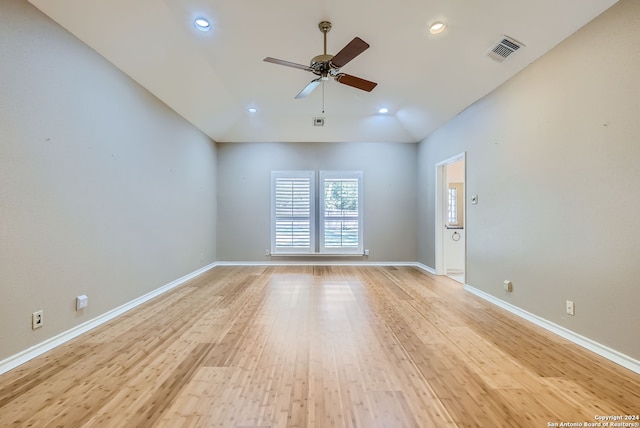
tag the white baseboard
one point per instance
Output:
(39, 349)
(425, 268)
(593, 346)
(42, 347)
(319, 262)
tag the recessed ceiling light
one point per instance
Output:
(437, 27)
(202, 24)
(383, 110)
(252, 109)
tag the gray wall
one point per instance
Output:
(553, 156)
(389, 182)
(103, 189)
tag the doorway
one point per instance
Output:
(451, 239)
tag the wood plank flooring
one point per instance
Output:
(316, 346)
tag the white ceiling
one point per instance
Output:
(211, 78)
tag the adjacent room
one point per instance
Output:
(319, 213)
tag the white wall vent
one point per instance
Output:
(503, 48)
(318, 121)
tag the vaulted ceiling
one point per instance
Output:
(212, 78)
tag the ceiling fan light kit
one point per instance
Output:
(325, 66)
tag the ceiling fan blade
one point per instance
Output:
(309, 88)
(287, 63)
(354, 48)
(356, 82)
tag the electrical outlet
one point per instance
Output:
(267, 252)
(81, 302)
(508, 286)
(37, 319)
(366, 252)
(571, 310)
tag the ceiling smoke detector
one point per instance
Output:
(503, 48)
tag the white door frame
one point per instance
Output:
(441, 203)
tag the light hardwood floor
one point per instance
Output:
(313, 346)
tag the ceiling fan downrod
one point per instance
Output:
(325, 27)
(320, 63)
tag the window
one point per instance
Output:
(293, 223)
(295, 220)
(453, 206)
(340, 212)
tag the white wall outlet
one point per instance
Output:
(267, 252)
(37, 319)
(508, 286)
(81, 302)
(571, 310)
(366, 252)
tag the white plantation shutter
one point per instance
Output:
(293, 212)
(341, 212)
(296, 223)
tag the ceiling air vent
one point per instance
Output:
(503, 48)
(318, 121)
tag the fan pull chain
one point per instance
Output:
(323, 97)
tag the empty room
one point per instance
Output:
(319, 213)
